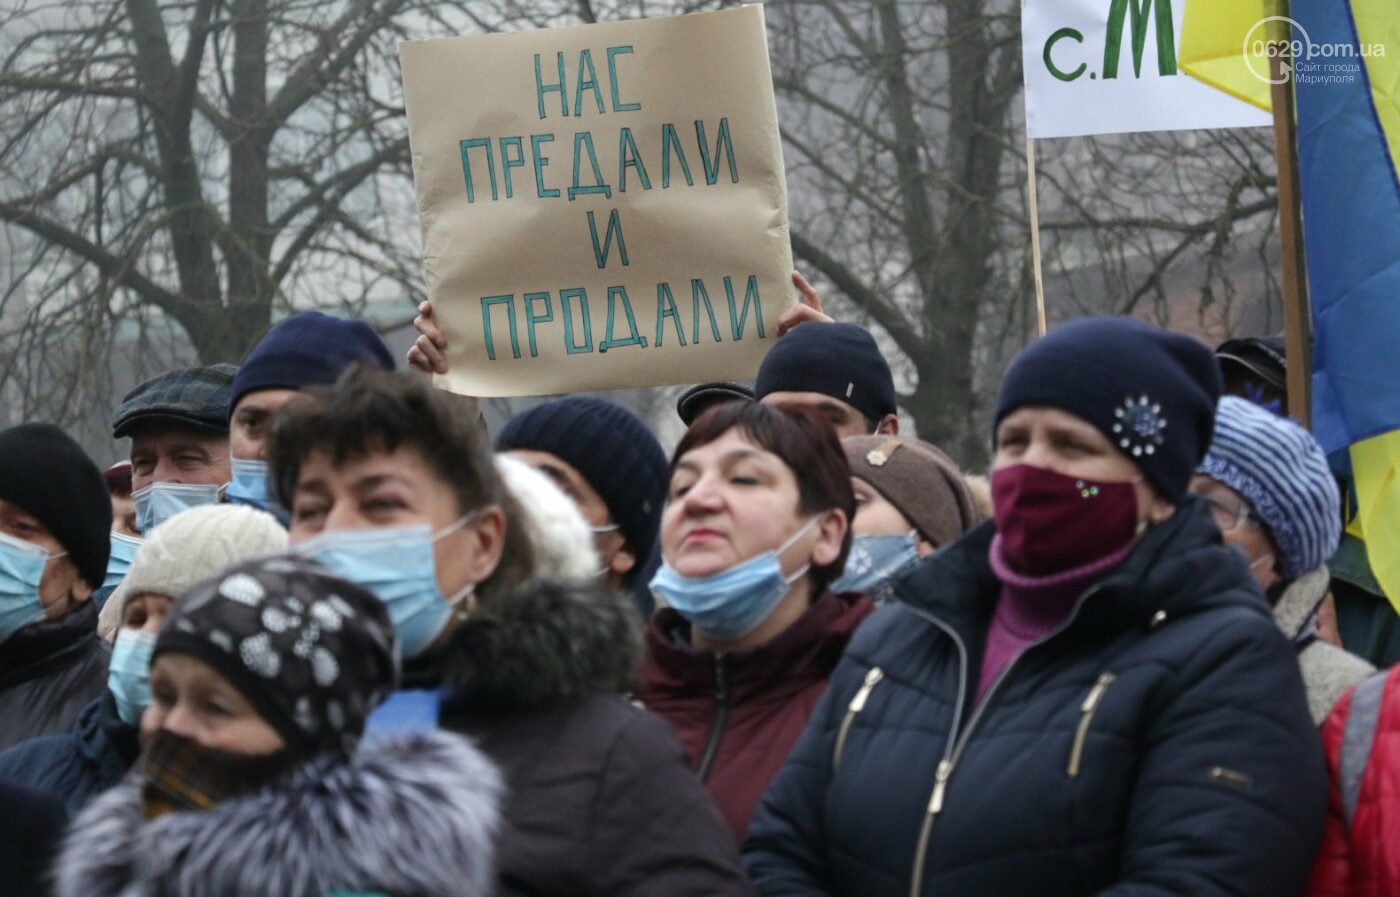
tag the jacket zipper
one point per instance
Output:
(958, 741)
(857, 704)
(721, 714)
(1086, 716)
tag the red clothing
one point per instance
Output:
(1365, 860)
(739, 714)
(1032, 607)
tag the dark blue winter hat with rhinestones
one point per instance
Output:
(1150, 391)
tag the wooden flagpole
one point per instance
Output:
(1033, 207)
(1297, 319)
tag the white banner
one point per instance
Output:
(1110, 66)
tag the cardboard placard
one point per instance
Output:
(603, 206)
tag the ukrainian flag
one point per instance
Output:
(1347, 82)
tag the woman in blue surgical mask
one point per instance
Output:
(392, 485)
(401, 499)
(755, 529)
(911, 500)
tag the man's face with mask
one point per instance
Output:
(61, 588)
(172, 452)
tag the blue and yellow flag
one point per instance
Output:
(1216, 40)
(1348, 96)
(1346, 74)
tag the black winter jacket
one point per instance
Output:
(81, 763)
(599, 797)
(31, 833)
(1158, 743)
(49, 672)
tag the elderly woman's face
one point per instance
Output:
(731, 500)
(145, 611)
(1240, 526)
(190, 699)
(1056, 440)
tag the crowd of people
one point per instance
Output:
(323, 634)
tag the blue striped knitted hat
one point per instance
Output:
(1278, 468)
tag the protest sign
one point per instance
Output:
(603, 206)
(1091, 68)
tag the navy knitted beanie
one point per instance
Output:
(308, 349)
(1278, 468)
(47, 474)
(1150, 391)
(611, 448)
(838, 360)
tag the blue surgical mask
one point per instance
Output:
(732, 603)
(129, 673)
(119, 561)
(21, 570)
(158, 502)
(874, 559)
(397, 565)
(249, 487)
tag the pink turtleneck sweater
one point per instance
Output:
(1031, 607)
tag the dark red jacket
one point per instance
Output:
(739, 714)
(1362, 859)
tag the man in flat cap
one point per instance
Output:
(178, 424)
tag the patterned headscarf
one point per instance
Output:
(311, 652)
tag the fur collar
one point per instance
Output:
(410, 816)
(543, 643)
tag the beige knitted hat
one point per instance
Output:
(189, 547)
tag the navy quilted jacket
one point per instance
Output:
(79, 764)
(1158, 743)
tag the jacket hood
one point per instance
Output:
(412, 816)
(791, 661)
(542, 643)
(1300, 599)
(1179, 566)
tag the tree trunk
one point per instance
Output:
(248, 244)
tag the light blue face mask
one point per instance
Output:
(21, 570)
(119, 561)
(730, 604)
(874, 559)
(129, 673)
(397, 565)
(249, 487)
(158, 502)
